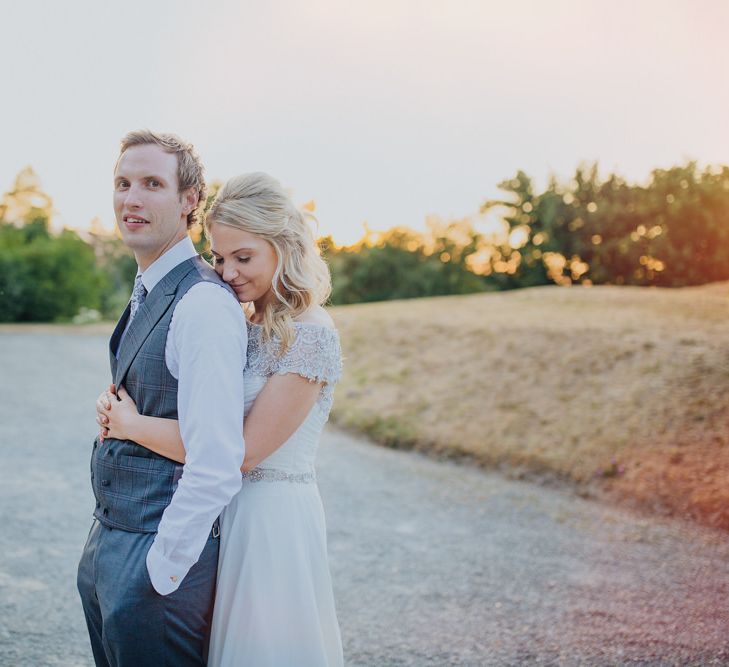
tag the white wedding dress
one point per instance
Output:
(274, 605)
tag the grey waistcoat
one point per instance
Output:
(133, 485)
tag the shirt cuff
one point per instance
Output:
(165, 575)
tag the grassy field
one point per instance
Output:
(623, 392)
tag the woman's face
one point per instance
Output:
(243, 260)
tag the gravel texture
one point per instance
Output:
(433, 563)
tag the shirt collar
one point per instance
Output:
(178, 253)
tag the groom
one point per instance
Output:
(147, 572)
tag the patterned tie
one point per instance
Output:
(139, 293)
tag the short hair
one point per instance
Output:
(190, 171)
(256, 203)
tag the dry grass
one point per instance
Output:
(555, 383)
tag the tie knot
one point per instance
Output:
(139, 285)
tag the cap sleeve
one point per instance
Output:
(315, 354)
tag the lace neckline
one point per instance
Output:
(297, 323)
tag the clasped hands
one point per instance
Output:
(115, 414)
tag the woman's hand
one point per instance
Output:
(117, 414)
(103, 405)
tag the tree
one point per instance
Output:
(671, 232)
(26, 201)
(43, 276)
(402, 264)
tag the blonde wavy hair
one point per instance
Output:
(256, 203)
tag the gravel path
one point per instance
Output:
(433, 563)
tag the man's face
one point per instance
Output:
(150, 212)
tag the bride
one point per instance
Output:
(274, 603)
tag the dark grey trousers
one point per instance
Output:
(129, 623)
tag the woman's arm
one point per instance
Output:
(279, 409)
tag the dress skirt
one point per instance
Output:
(274, 605)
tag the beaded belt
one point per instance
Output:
(273, 475)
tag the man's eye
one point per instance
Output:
(154, 184)
(121, 185)
(243, 259)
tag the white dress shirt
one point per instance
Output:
(205, 352)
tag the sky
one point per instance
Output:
(383, 112)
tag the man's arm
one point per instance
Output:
(206, 350)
